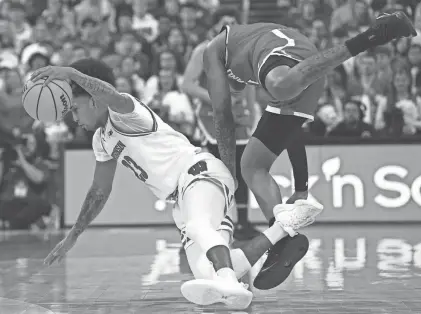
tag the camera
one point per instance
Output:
(8, 142)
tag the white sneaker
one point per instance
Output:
(206, 292)
(298, 215)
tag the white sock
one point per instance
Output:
(240, 263)
(227, 273)
(275, 233)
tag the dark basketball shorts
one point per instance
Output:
(276, 130)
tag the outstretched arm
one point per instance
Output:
(97, 195)
(93, 205)
(219, 92)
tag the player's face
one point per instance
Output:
(85, 113)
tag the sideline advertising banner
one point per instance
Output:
(354, 183)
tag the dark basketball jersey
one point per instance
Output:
(249, 46)
(206, 123)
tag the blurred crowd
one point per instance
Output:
(148, 43)
(376, 94)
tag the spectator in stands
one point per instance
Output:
(172, 9)
(366, 85)
(353, 124)
(402, 46)
(325, 120)
(143, 22)
(383, 60)
(352, 14)
(89, 32)
(414, 58)
(173, 104)
(319, 35)
(125, 85)
(100, 9)
(13, 116)
(124, 19)
(194, 32)
(22, 31)
(130, 69)
(166, 60)
(6, 37)
(401, 97)
(127, 44)
(307, 14)
(336, 89)
(177, 42)
(33, 57)
(24, 183)
(164, 27)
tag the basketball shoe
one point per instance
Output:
(287, 252)
(219, 290)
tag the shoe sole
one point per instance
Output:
(207, 292)
(402, 16)
(277, 273)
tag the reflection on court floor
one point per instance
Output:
(348, 269)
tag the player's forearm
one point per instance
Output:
(315, 67)
(93, 86)
(225, 135)
(298, 157)
(196, 91)
(309, 71)
(92, 206)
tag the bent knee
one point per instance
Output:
(256, 158)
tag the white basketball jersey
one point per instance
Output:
(147, 146)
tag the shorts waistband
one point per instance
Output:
(277, 110)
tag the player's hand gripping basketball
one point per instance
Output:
(52, 73)
(61, 249)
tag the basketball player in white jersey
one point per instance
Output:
(129, 133)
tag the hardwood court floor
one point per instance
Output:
(348, 269)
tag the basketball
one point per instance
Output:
(49, 103)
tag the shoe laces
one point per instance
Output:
(298, 219)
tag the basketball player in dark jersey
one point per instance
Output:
(194, 84)
(289, 67)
